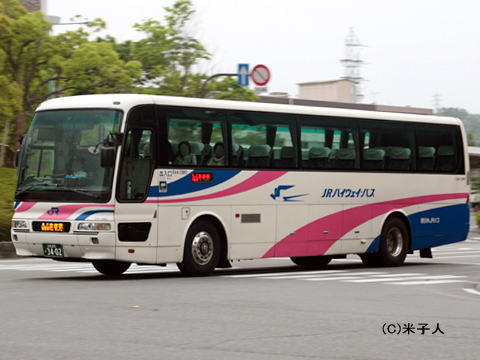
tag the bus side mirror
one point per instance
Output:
(107, 157)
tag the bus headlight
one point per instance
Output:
(91, 226)
(19, 224)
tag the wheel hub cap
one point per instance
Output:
(394, 241)
(202, 248)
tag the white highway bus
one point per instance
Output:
(121, 179)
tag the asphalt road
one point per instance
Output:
(263, 309)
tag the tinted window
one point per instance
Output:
(138, 156)
(328, 143)
(439, 149)
(137, 164)
(195, 138)
(387, 146)
(262, 140)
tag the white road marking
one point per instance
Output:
(456, 256)
(413, 278)
(333, 278)
(317, 275)
(472, 291)
(427, 282)
(286, 273)
(438, 254)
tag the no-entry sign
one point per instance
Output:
(260, 75)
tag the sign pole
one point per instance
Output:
(203, 91)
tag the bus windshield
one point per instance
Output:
(61, 156)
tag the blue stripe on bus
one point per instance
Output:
(439, 226)
(435, 227)
(185, 185)
(91, 212)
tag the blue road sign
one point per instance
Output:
(243, 75)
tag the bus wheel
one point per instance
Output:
(311, 261)
(202, 249)
(111, 267)
(394, 243)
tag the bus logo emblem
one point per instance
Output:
(53, 211)
(279, 189)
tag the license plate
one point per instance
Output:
(53, 250)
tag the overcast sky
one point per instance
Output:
(414, 48)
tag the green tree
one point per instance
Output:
(95, 68)
(23, 51)
(470, 121)
(227, 89)
(453, 112)
(33, 60)
(169, 54)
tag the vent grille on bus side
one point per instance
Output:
(136, 232)
(250, 218)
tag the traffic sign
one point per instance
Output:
(243, 75)
(260, 75)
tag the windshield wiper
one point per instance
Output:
(28, 188)
(81, 192)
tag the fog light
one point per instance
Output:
(91, 226)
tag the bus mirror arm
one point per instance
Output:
(116, 138)
(19, 151)
(17, 157)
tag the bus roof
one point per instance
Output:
(126, 101)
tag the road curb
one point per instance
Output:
(7, 250)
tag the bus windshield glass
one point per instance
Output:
(61, 156)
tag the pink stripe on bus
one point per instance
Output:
(65, 211)
(259, 179)
(24, 206)
(309, 240)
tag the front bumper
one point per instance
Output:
(90, 246)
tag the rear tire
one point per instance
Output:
(395, 240)
(202, 249)
(311, 261)
(111, 267)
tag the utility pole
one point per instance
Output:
(437, 102)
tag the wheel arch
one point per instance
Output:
(400, 214)
(219, 225)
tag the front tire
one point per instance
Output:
(311, 261)
(111, 267)
(202, 249)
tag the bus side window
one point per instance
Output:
(327, 148)
(192, 135)
(439, 149)
(386, 146)
(262, 141)
(137, 165)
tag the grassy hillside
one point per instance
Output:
(8, 180)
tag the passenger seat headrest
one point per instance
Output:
(319, 152)
(259, 151)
